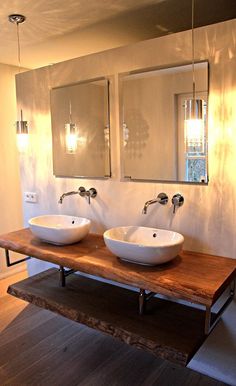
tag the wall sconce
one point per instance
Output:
(194, 127)
(21, 125)
(71, 135)
(22, 134)
(71, 138)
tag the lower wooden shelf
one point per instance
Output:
(169, 330)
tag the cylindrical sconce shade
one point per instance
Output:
(22, 135)
(193, 109)
(194, 126)
(71, 138)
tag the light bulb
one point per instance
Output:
(22, 142)
(22, 134)
(71, 138)
(194, 135)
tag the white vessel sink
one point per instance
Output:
(60, 229)
(141, 245)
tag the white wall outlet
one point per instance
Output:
(30, 197)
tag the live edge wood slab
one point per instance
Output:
(169, 330)
(198, 278)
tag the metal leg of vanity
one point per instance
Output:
(211, 319)
(143, 298)
(63, 274)
(8, 261)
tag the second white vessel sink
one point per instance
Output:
(60, 229)
(142, 245)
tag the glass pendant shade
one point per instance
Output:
(193, 109)
(194, 126)
(71, 138)
(22, 134)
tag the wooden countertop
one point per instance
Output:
(198, 278)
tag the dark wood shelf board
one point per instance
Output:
(168, 330)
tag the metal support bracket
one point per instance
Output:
(211, 319)
(143, 298)
(9, 263)
(63, 274)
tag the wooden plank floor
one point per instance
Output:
(39, 348)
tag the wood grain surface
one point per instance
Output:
(194, 277)
(168, 330)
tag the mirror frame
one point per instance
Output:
(108, 125)
(121, 114)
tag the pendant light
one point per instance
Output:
(71, 134)
(21, 125)
(194, 127)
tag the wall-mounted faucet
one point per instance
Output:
(90, 193)
(66, 194)
(162, 199)
(177, 201)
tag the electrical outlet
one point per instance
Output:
(30, 197)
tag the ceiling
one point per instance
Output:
(58, 30)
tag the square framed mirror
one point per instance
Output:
(157, 143)
(80, 116)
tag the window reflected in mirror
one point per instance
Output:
(156, 143)
(81, 129)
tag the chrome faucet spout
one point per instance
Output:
(146, 205)
(66, 194)
(162, 199)
(90, 193)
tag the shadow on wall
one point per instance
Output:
(135, 134)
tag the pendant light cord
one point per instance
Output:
(19, 61)
(18, 46)
(70, 112)
(193, 51)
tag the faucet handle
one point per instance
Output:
(92, 192)
(177, 201)
(82, 191)
(162, 198)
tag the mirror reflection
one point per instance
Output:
(80, 129)
(157, 140)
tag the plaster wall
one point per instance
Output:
(10, 195)
(208, 218)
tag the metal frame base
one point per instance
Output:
(63, 274)
(143, 298)
(211, 319)
(8, 261)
